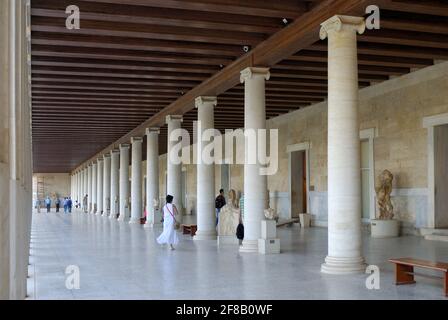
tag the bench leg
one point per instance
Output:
(403, 274)
(446, 284)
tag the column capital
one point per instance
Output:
(174, 118)
(124, 146)
(100, 159)
(114, 151)
(152, 130)
(205, 101)
(342, 23)
(250, 72)
(136, 139)
(106, 155)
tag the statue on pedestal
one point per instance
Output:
(229, 216)
(270, 213)
(383, 196)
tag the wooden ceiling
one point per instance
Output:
(132, 62)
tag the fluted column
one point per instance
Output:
(152, 175)
(255, 184)
(174, 170)
(124, 182)
(344, 176)
(114, 183)
(205, 173)
(136, 180)
(89, 187)
(106, 185)
(94, 187)
(99, 187)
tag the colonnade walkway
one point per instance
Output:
(123, 261)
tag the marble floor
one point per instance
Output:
(122, 261)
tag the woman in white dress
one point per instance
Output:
(169, 234)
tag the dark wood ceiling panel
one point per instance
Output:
(133, 59)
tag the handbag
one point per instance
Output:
(176, 224)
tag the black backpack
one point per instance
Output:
(240, 231)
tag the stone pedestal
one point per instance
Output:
(385, 228)
(223, 240)
(305, 220)
(269, 243)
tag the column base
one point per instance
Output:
(338, 265)
(134, 221)
(249, 246)
(113, 216)
(121, 219)
(151, 225)
(205, 235)
(98, 213)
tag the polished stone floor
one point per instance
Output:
(122, 261)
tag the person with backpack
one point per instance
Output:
(220, 202)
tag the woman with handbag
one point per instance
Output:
(170, 223)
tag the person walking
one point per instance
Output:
(57, 202)
(37, 205)
(48, 203)
(169, 235)
(69, 204)
(220, 202)
(84, 204)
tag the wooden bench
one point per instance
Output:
(189, 229)
(404, 270)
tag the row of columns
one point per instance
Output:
(344, 190)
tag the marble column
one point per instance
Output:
(152, 175)
(89, 187)
(136, 180)
(86, 187)
(94, 187)
(106, 185)
(206, 219)
(124, 182)
(255, 184)
(344, 175)
(114, 183)
(174, 171)
(99, 187)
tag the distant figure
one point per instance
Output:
(76, 204)
(37, 205)
(65, 205)
(57, 202)
(48, 203)
(69, 204)
(220, 202)
(169, 234)
(84, 203)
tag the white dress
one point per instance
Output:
(169, 234)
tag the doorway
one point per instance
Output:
(441, 176)
(298, 183)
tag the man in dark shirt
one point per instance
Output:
(220, 202)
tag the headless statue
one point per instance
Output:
(229, 216)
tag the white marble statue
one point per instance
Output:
(229, 216)
(270, 213)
